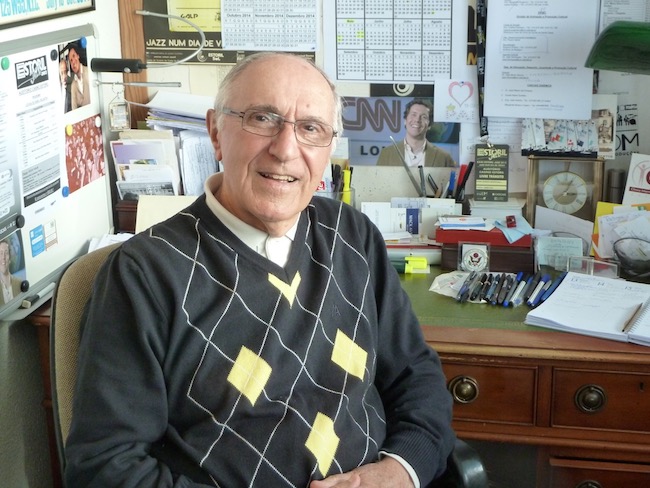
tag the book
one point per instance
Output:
(609, 308)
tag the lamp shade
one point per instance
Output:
(622, 46)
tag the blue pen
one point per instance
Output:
(518, 297)
(536, 294)
(553, 286)
(452, 183)
(464, 289)
(513, 288)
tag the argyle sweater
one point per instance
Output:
(261, 375)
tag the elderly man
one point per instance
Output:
(260, 337)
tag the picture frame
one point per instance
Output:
(46, 10)
(569, 185)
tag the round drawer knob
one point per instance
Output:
(589, 484)
(464, 389)
(590, 399)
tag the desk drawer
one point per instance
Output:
(601, 400)
(578, 473)
(492, 393)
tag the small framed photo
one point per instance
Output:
(569, 185)
(40, 10)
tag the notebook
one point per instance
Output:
(609, 308)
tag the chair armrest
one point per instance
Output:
(464, 469)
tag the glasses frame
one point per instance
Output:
(242, 116)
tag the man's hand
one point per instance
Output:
(386, 473)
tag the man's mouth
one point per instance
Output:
(288, 179)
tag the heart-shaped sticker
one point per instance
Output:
(461, 91)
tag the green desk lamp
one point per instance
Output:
(622, 46)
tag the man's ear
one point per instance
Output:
(211, 123)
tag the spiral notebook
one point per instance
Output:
(609, 308)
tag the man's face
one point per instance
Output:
(73, 57)
(268, 181)
(417, 120)
(63, 71)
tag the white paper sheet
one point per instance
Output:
(535, 58)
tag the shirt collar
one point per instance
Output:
(249, 235)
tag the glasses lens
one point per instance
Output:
(314, 133)
(309, 132)
(262, 123)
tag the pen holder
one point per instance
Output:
(345, 196)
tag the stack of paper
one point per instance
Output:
(462, 222)
(178, 111)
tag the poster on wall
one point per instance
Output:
(17, 13)
(171, 40)
(374, 123)
(51, 149)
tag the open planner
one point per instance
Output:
(602, 307)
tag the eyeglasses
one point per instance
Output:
(308, 131)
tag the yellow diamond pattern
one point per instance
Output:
(288, 290)
(249, 374)
(323, 442)
(349, 355)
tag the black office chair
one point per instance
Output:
(72, 292)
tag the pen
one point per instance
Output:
(477, 286)
(486, 286)
(452, 183)
(423, 188)
(464, 289)
(537, 292)
(31, 300)
(553, 286)
(530, 286)
(346, 197)
(630, 321)
(460, 192)
(494, 298)
(493, 287)
(517, 297)
(505, 289)
(432, 184)
(513, 288)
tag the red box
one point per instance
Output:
(493, 237)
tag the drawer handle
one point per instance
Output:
(464, 389)
(590, 399)
(589, 484)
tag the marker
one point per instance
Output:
(513, 288)
(486, 287)
(553, 286)
(31, 300)
(537, 292)
(517, 298)
(494, 298)
(530, 286)
(464, 289)
(477, 286)
(493, 287)
(505, 289)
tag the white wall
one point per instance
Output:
(24, 454)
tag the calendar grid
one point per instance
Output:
(392, 40)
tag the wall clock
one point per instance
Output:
(572, 186)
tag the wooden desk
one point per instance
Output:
(520, 385)
(582, 402)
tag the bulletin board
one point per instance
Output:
(54, 188)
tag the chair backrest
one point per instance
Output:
(70, 296)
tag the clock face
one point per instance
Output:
(565, 192)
